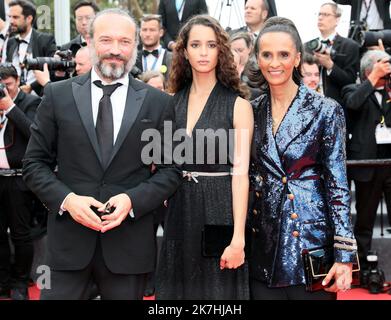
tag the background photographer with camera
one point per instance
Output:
(27, 42)
(337, 56)
(373, 14)
(17, 111)
(84, 12)
(369, 109)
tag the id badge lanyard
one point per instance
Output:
(154, 63)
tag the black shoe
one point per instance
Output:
(5, 293)
(19, 294)
(149, 292)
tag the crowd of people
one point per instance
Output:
(246, 169)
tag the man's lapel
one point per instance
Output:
(81, 89)
(134, 101)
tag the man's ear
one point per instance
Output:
(161, 33)
(29, 19)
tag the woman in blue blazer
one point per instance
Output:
(301, 194)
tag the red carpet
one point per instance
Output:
(353, 294)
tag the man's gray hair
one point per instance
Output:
(336, 9)
(369, 59)
(116, 11)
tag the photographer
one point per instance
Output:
(369, 107)
(27, 42)
(17, 111)
(374, 14)
(339, 60)
(84, 12)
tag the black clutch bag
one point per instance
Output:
(215, 238)
(317, 263)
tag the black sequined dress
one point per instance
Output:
(183, 273)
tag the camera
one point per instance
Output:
(315, 45)
(373, 278)
(65, 63)
(371, 38)
(356, 28)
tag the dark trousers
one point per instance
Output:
(260, 291)
(15, 213)
(76, 285)
(368, 196)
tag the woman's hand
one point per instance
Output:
(233, 257)
(342, 273)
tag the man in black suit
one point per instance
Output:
(340, 63)
(255, 14)
(175, 13)
(84, 12)
(272, 9)
(27, 42)
(152, 56)
(376, 13)
(370, 113)
(17, 111)
(95, 139)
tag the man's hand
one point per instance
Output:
(26, 88)
(342, 273)
(79, 207)
(380, 46)
(43, 77)
(325, 60)
(379, 71)
(122, 205)
(6, 102)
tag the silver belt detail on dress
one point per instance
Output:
(193, 175)
(10, 172)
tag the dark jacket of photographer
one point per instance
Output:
(17, 131)
(383, 7)
(365, 113)
(344, 71)
(41, 45)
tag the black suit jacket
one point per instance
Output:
(272, 8)
(74, 45)
(167, 59)
(42, 45)
(17, 131)
(365, 113)
(345, 69)
(64, 131)
(383, 6)
(171, 23)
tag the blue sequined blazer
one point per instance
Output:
(300, 191)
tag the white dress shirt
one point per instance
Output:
(150, 62)
(373, 20)
(20, 55)
(4, 120)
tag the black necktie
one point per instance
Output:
(104, 123)
(326, 42)
(384, 100)
(155, 53)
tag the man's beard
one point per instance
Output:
(111, 70)
(17, 29)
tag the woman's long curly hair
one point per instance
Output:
(226, 73)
